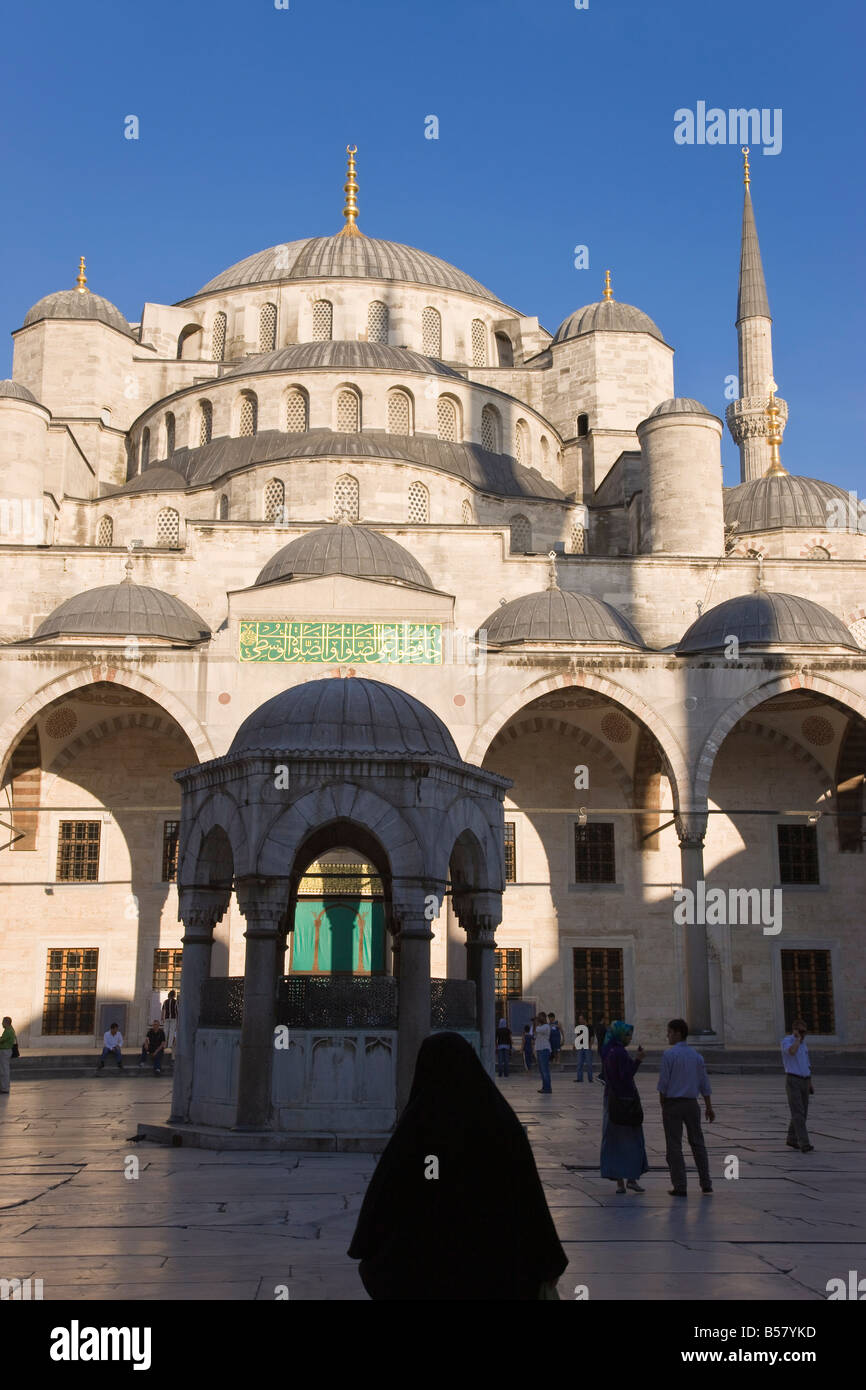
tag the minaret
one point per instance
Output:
(747, 417)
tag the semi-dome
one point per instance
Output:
(13, 390)
(608, 316)
(784, 500)
(77, 304)
(353, 716)
(352, 356)
(123, 610)
(342, 548)
(155, 479)
(352, 257)
(557, 615)
(680, 405)
(762, 619)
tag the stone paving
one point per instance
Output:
(201, 1224)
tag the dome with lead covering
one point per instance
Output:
(352, 716)
(342, 548)
(557, 615)
(337, 353)
(762, 619)
(13, 390)
(679, 405)
(607, 316)
(786, 501)
(123, 610)
(77, 304)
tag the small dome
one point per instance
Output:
(153, 480)
(77, 304)
(785, 500)
(352, 356)
(353, 716)
(123, 610)
(680, 405)
(345, 549)
(13, 390)
(763, 619)
(608, 316)
(557, 615)
(356, 258)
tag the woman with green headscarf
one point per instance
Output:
(623, 1152)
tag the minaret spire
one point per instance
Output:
(350, 188)
(747, 417)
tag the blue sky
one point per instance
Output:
(555, 129)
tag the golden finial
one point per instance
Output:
(350, 188)
(81, 282)
(745, 153)
(774, 437)
(608, 292)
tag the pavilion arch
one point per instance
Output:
(357, 810)
(676, 765)
(219, 816)
(475, 846)
(18, 722)
(780, 685)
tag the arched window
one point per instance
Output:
(169, 434)
(545, 452)
(479, 344)
(296, 411)
(168, 528)
(248, 419)
(521, 535)
(466, 512)
(218, 338)
(431, 333)
(323, 318)
(275, 500)
(419, 503)
(223, 508)
(504, 350)
(582, 426)
(399, 413)
(267, 327)
(446, 419)
(205, 422)
(348, 412)
(490, 433)
(521, 443)
(105, 531)
(189, 341)
(346, 497)
(145, 448)
(377, 322)
(578, 539)
(818, 552)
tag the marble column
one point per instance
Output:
(263, 903)
(691, 829)
(413, 998)
(199, 909)
(480, 967)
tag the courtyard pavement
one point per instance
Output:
(201, 1224)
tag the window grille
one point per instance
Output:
(296, 411)
(267, 327)
(70, 991)
(348, 412)
(419, 503)
(218, 338)
(798, 853)
(479, 344)
(168, 528)
(323, 316)
(205, 417)
(520, 535)
(431, 333)
(578, 539)
(105, 533)
(466, 512)
(346, 497)
(508, 978)
(169, 434)
(446, 419)
(170, 832)
(399, 413)
(167, 968)
(510, 852)
(807, 990)
(249, 415)
(599, 992)
(377, 322)
(594, 853)
(521, 443)
(145, 448)
(275, 500)
(490, 429)
(223, 508)
(818, 552)
(78, 851)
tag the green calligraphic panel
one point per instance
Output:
(363, 644)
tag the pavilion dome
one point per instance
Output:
(762, 619)
(783, 500)
(352, 717)
(557, 615)
(680, 405)
(341, 548)
(123, 610)
(13, 390)
(607, 316)
(77, 304)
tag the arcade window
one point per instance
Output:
(807, 989)
(510, 852)
(508, 976)
(170, 831)
(78, 851)
(798, 854)
(594, 853)
(70, 991)
(166, 968)
(598, 984)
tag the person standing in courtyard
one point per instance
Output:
(623, 1151)
(798, 1085)
(542, 1052)
(112, 1043)
(682, 1078)
(582, 1047)
(555, 1038)
(169, 1018)
(527, 1046)
(503, 1047)
(8, 1046)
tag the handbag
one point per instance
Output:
(15, 1052)
(625, 1110)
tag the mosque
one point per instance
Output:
(397, 663)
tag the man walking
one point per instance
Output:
(798, 1085)
(112, 1042)
(169, 1018)
(582, 1047)
(682, 1078)
(542, 1052)
(503, 1047)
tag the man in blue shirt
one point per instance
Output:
(682, 1077)
(798, 1085)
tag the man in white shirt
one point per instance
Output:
(542, 1052)
(798, 1085)
(112, 1042)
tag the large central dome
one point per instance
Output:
(355, 257)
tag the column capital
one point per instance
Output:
(481, 931)
(412, 926)
(200, 909)
(264, 903)
(691, 828)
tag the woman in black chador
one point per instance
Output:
(455, 1208)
